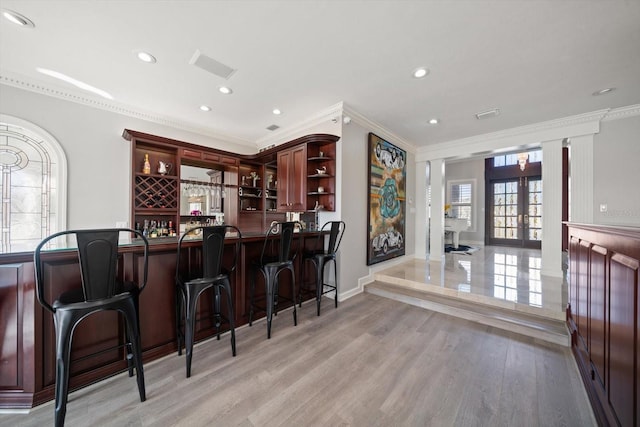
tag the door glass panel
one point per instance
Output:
(535, 209)
(505, 197)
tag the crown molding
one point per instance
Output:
(24, 83)
(583, 123)
(379, 130)
(622, 113)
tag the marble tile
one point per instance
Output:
(500, 276)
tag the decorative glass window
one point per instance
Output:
(33, 172)
(535, 156)
(461, 199)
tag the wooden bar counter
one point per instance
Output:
(604, 319)
(27, 344)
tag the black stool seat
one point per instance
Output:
(190, 284)
(320, 257)
(98, 258)
(270, 266)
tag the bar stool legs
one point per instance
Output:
(270, 273)
(65, 322)
(191, 293)
(320, 261)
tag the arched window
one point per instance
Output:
(33, 182)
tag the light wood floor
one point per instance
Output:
(371, 362)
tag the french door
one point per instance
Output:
(515, 212)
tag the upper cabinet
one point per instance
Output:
(292, 179)
(321, 179)
(307, 174)
(271, 186)
(190, 155)
(155, 195)
(248, 191)
(250, 198)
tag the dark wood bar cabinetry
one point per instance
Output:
(292, 167)
(604, 319)
(28, 344)
(297, 176)
(27, 340)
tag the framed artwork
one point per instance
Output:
(386, 201)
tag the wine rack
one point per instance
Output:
(156, 192)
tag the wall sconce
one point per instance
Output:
(522, 160)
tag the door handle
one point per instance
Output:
(519, 218)
(526, 219)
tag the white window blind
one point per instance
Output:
(461, 194)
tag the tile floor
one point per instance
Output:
(494, 275)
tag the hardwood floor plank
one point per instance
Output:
(481, 396)
(519, 399)
(371, 362)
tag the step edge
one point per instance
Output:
(556, 337)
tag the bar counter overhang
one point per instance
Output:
(27, 347)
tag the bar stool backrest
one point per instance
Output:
(286, 232)
(335, 235)
(213, 249)
(98, 259)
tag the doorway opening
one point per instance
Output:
(513, 188)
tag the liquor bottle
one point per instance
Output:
(146, 169)
(153, 232)
(172, 231)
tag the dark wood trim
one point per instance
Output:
(504, 173)
(261, 157)
(565, 198)
(603, 318)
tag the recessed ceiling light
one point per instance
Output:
(205, 108)
(146, 57)
(603, 91)
(225, 90)
(419, 73)
(76, 83)
(487, 114)
(17, 18)
(277, 112)
(434, 121)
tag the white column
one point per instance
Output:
(436, 229)
(552, 208)
(420, 206)
(581, 172)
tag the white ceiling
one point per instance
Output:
(533, 60)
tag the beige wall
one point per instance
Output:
(97, 155)
(617, 172)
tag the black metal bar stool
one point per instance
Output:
(100, 291)
(190, 283)
(270, 264)
(320, 256)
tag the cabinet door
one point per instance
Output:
(623, 317)
(284, 165)
(298, 178)
(292, 185)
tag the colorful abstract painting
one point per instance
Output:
(387, 201)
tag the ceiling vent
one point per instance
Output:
(273, 127)
(487, 114)
(209, 64)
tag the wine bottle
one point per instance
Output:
(146, 169)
